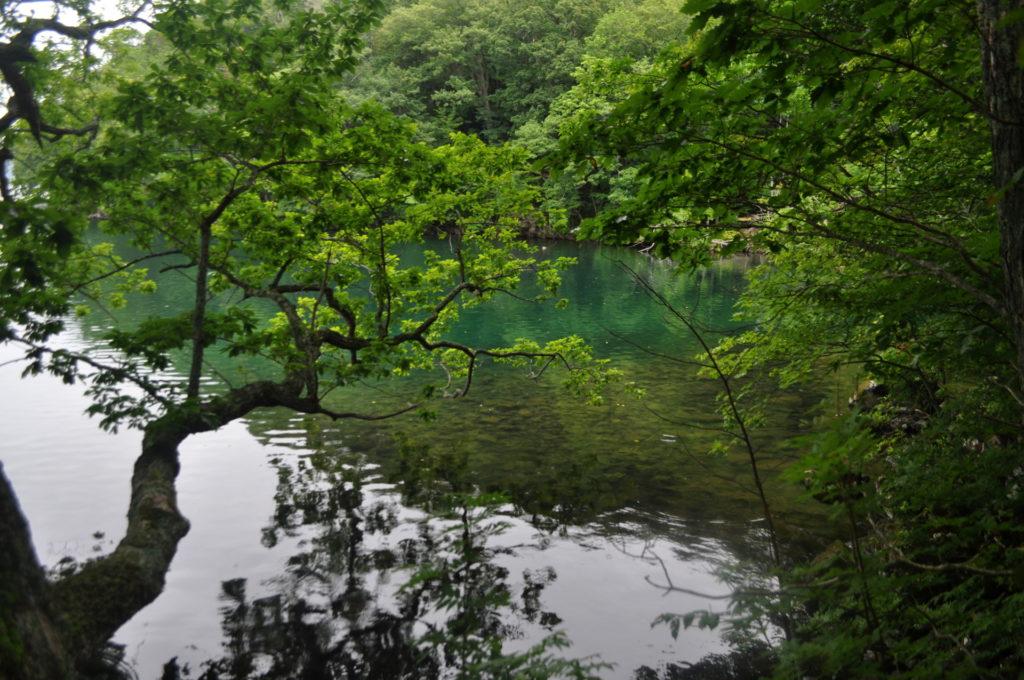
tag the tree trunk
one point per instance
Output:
(483, 93)
(31, 636)
(1001, 38)
(106, 593)
(48, 631)
(195, 370)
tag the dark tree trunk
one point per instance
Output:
(1001, 36)
(48, 630)
(106, 593)
(31, 635)
(195, 370)
(483, 93)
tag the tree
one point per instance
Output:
(33, 240)
(482, 66)
(875, 153)
(30, 69)
(616, 59)
(234, 158)
(638, 30)
(40, 57)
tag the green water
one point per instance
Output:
(288, 508)
(554, 454)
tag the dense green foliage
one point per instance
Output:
(525, 72)
(480, 66)
(862, 146)
(222, 146)
(492, 67)
(853, 141)
(235, 154)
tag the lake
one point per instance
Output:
(305, 527)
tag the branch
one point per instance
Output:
(126, 265)
(653, 353)
(976, 104)
(820, 231)
(58, 132)
(33, 26)
(18, 50)
(949, 566)
(693, 426)
(150, 388)
(335, 415)
(649, 555)
(898, 219)
(425, 326)
(773, 541)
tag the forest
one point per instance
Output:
(481, 339)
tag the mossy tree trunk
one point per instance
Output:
(1002, 34)
(55, 630)
(31, 635)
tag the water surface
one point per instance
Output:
(289, 509)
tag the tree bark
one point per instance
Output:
(195, 370)
(31, 635)
(53, 630)
(106, 593)
(1001, 38)
(483, 92)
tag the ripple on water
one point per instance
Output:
(615, 496)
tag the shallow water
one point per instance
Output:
(592, 493)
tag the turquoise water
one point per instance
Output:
(288, 508)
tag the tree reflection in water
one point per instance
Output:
(381, 590)
(749, 660)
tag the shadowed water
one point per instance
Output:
(304, 530)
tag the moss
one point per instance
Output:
(89, 614)
(12, 648)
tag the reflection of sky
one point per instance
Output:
(73, 480)
(605, 603)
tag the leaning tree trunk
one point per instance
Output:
(106, 593)
(32, 638)
(1001, 37)
(54, 630)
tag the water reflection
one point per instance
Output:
(749, 661)
(381, 589)
(408, 568)
(304, 532)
